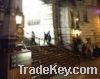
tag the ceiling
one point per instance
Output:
(60, 2)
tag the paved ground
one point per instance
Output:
(84, 63)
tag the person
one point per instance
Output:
(75, 49)
(89, 48)
(77, 45)
(83, 49)
(45, 38)
(96, 51)
(33, 38)
(48, 38)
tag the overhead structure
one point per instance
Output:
(4, 22)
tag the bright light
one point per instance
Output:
(76, 32)
(76, 19)
(18, 19)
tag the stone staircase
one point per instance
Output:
(69, 77)
(52, 55)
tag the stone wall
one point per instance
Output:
(91, 29)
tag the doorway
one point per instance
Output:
(39, 19)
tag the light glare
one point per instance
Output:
(36, 10)
(18, 19)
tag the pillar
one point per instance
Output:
(56, 21)
(4, 39)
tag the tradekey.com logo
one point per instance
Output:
(53, 69)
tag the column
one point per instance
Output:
(56, 21)
(4, 41)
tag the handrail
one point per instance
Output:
(41, 39)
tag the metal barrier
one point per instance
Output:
(38, 41)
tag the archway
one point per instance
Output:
(38, 18)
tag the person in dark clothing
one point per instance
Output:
(89, 48)
(45, 38)
(33, 39)
(83, 49)
(48, 38)
(77, 45)
(96, 51)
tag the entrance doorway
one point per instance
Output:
(38, 19)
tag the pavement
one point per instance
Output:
(84, 63)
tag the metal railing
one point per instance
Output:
(38, 41)
(42, 41)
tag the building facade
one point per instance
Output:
(89, 20)
(64, 14)
(87, 13)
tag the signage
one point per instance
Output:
(34, 22)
